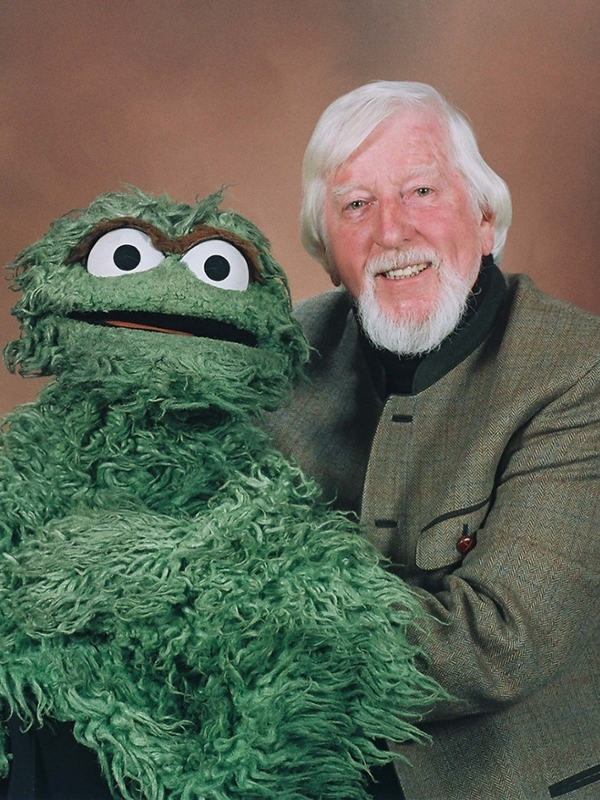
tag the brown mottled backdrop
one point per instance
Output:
(185, 95)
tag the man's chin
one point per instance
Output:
(413, 313)
(412, 329)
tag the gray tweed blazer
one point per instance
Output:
(499, 443)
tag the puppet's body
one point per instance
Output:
(170, 583)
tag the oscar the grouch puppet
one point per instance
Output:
(172, 588)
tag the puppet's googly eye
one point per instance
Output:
(219, 263)
(121, 252)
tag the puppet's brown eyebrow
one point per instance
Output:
(165, 244)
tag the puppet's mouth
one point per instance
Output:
(170, 323)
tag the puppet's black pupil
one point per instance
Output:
(217, 268)
(127, 257)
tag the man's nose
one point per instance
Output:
(394, 226)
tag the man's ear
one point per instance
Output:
(488, 231)
(335, 278)
(330, 267)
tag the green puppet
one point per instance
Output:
(170, 584)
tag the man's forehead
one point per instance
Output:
(431, 169)
(410, 133)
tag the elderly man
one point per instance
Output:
(457, 410)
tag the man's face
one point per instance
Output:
(399, 200)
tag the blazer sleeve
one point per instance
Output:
(524, 604)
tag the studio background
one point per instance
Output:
(183, 96)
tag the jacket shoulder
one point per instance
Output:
(324, 318)
(547, 331)
(549, 311)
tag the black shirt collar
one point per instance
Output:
(394, 374)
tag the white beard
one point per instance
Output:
(409, 335)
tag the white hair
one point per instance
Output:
(347, 122)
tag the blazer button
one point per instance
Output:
(464, 544)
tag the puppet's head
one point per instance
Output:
(157, 303)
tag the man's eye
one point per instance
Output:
(356, 205)
(423, 191)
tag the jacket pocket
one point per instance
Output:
(577, 781)
(442, 542)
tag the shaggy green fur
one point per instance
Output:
(170, 583)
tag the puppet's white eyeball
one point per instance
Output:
(122, 252)
(219, 263)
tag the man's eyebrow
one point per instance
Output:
(345, 188)
(424, 171)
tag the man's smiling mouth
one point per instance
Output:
(405, 272)
(170, 324)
